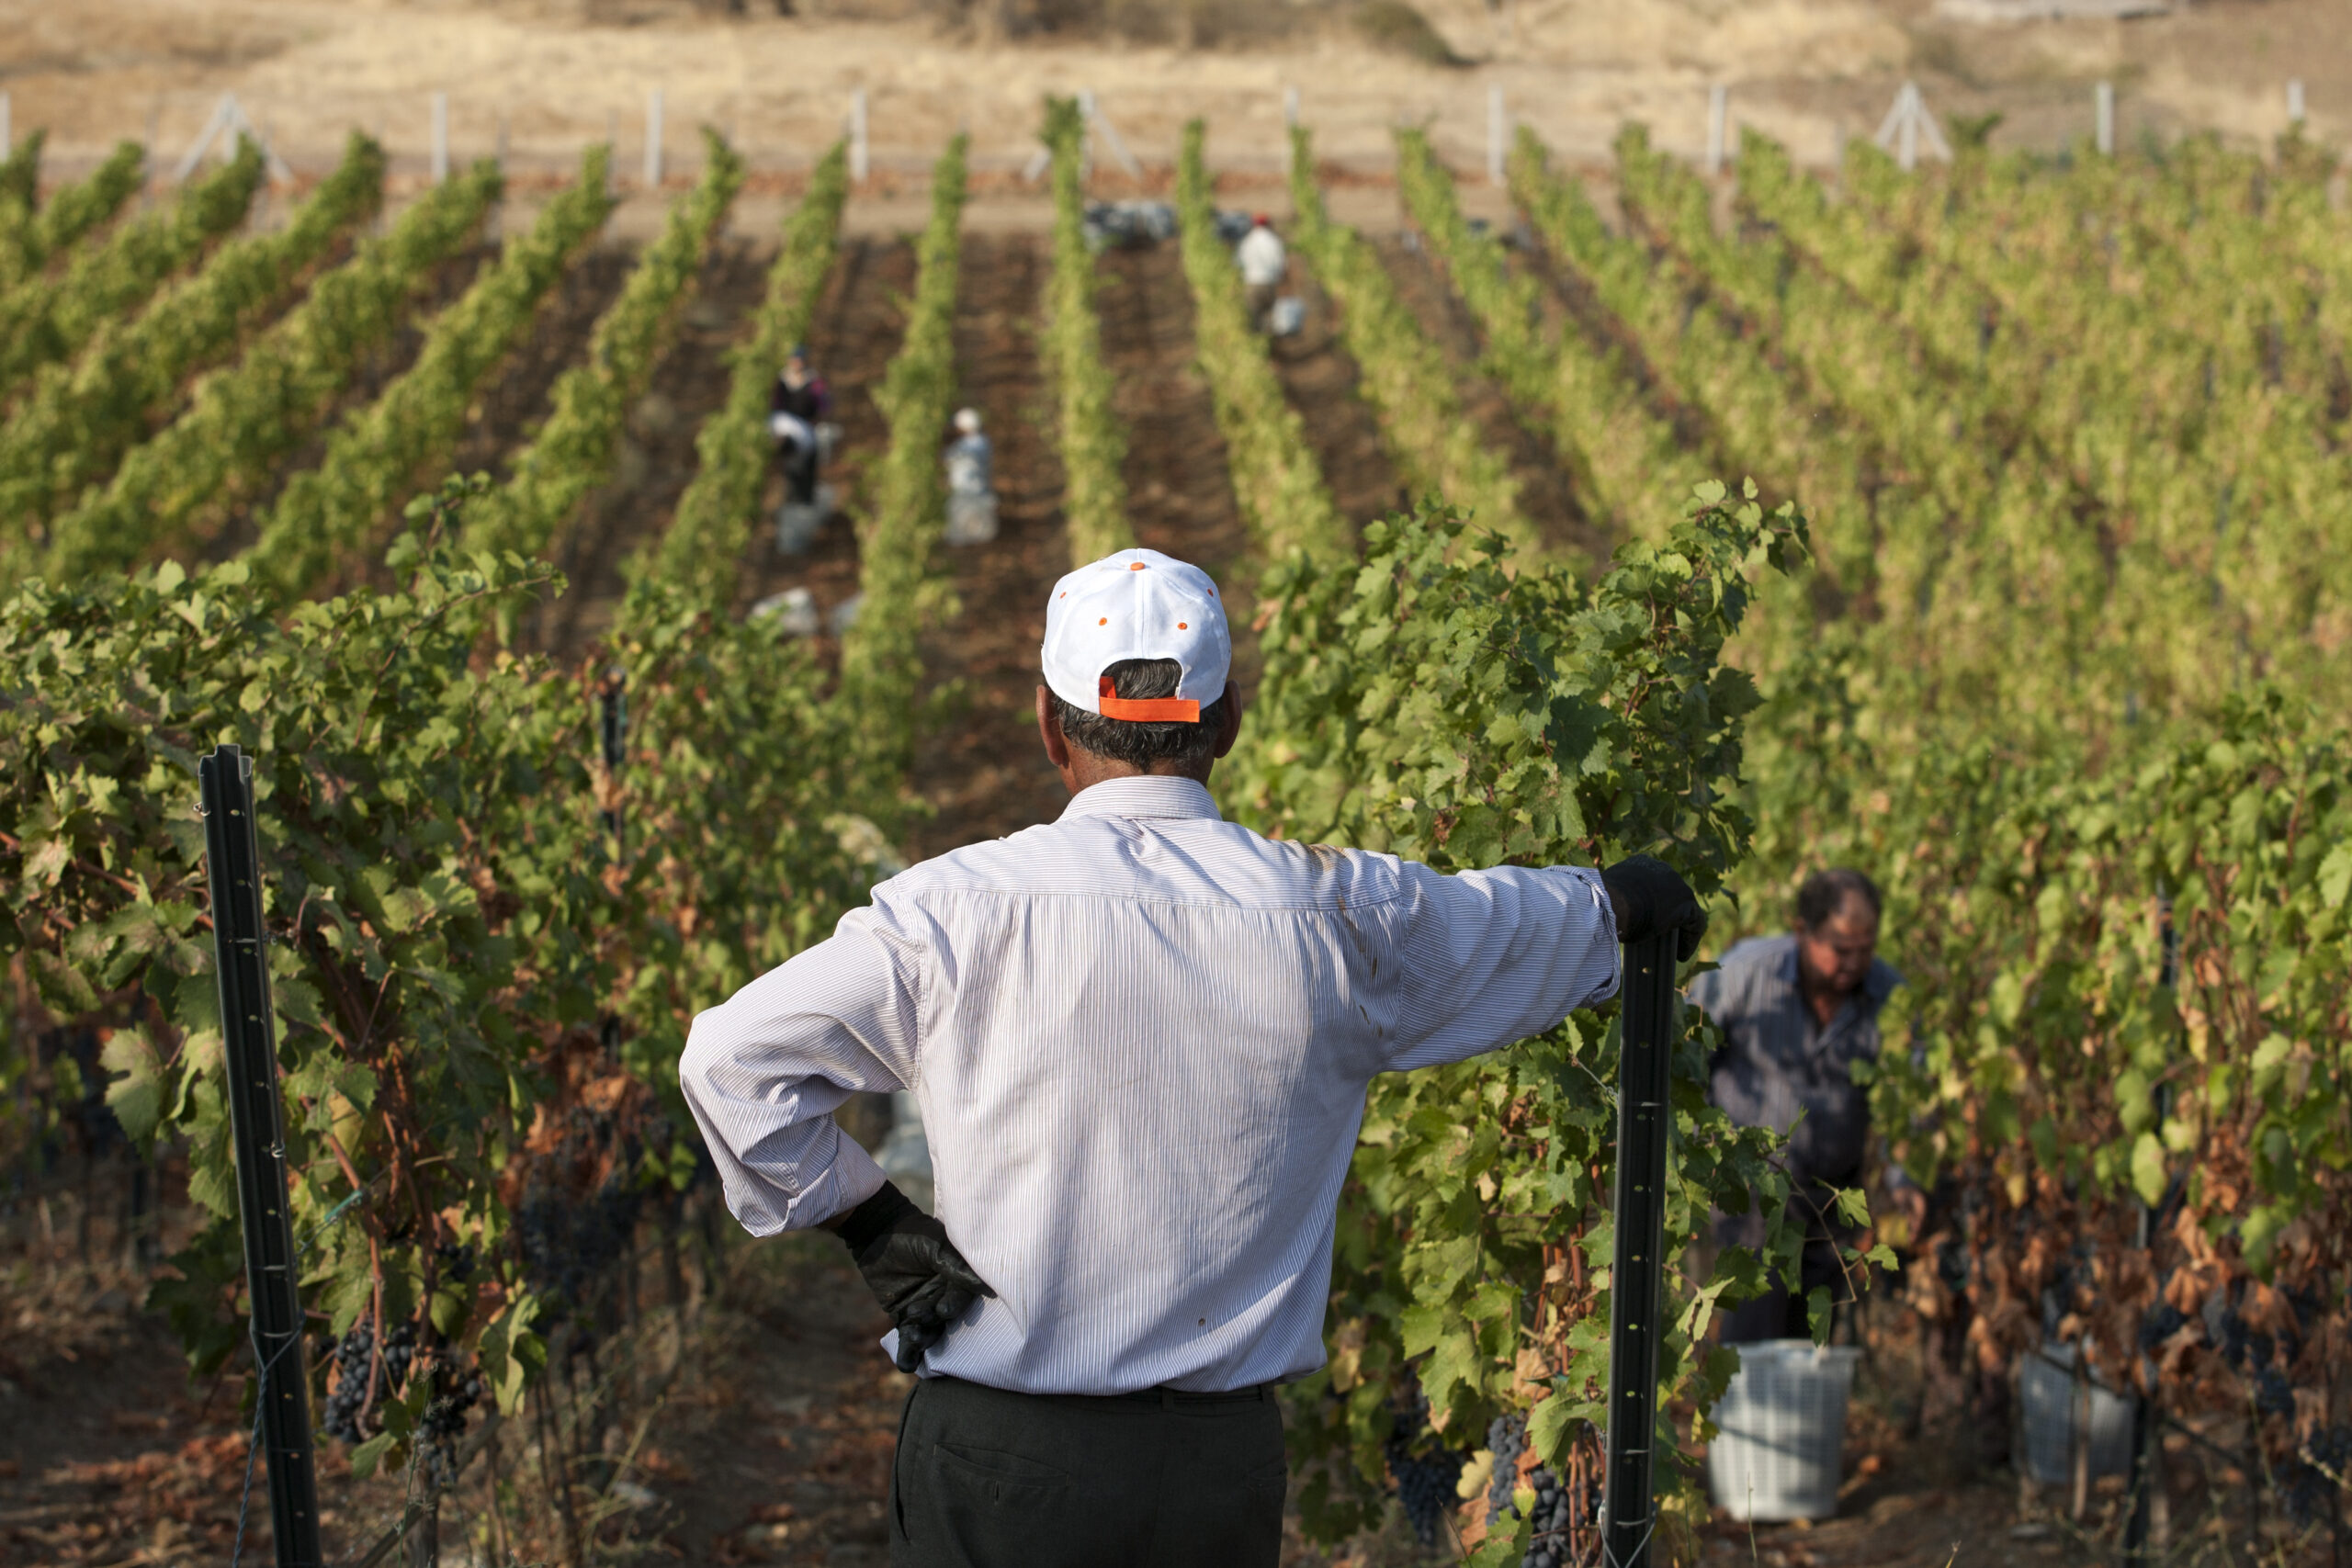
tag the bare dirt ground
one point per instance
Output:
(981, 763)
(772, 1443)
(543, 77)
(1320, 379)
(1545, 494)
(1179, 494)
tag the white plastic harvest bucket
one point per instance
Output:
(2054, 1420)
(1782, 1430)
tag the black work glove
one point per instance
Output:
(912, 1269)
(1651, 899)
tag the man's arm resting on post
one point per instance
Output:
(1496, 955)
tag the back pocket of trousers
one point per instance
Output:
(991, 1481)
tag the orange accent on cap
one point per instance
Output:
(1103, 622)
(1182, 626)
(1146, 710)
(1135, 565)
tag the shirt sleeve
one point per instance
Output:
(1492, 956)
(764, 1070)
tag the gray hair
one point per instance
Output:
(1137, 743)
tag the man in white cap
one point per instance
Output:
(1141, 1038)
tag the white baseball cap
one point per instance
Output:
(1137, 604)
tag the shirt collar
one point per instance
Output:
(1144, 795)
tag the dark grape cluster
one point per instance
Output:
(349, 1394)
(2316, 1477)
(2273, 1396)
(1507, 1436)
(1555, 1513)
(457, 1262)
(347, 1388)
(454, 1393)
(1426, 1474)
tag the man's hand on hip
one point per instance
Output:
(912, 1269)
(1651, 897)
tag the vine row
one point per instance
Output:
(245, 419)
(703, 548)
(76, 421)
(573, 451)
(326, 515)
(1436, 446)
(48, 318)
(1093, 441)
(1276, 478)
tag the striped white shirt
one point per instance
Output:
(1141, 1038)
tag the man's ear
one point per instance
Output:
(1049, 731)
(1229, 724)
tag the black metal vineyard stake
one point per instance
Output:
(257, 1120)
(1637, 1270)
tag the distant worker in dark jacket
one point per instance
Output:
(797, 404)
(1797, 1013)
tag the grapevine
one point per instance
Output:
(448, 937)
(20, 176)
(70, 213)
(44, 319)
(1435, 444)
(76, 421)
(243, 419)
(1275, 479)
(575, 448)
(1473, 1183)
(1577, 390)
(881, 668)
(1093, 443)
(704, 544)
(327, 513)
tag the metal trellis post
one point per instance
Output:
(612, 729)
(1637, 1272)
(257, 1122)
(2147, 1417)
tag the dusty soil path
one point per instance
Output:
(855, 330)
(657, 458)
(1320, 380)
(1179, 491)
(387, 363)
(979, 761)
(1545, 492)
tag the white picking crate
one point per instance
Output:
(1782, 1432)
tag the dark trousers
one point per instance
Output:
(985, 1478)
(799, 473)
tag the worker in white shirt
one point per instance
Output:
(1140, 1037)
(1262, 261)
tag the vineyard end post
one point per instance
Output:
(1637, 1276)
(257, 1124)
(860, 154)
